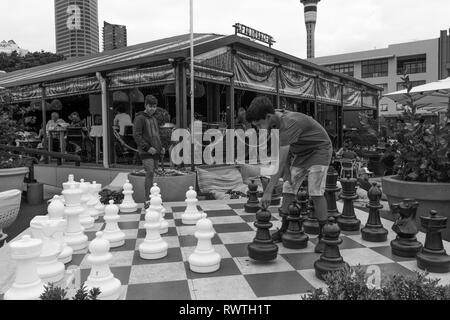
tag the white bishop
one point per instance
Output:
(156, 204)
(204, 259)
(128, 204)
(191, 215)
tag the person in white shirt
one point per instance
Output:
(122, 119)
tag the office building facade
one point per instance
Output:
(385, 67)
(76, 26)
(114, 36)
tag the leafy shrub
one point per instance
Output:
(56, 293)
(424, 148)
(351, 284)
(106, 195)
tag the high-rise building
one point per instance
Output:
(114, 36)
(76, 24)
(310, 21)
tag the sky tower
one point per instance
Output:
(310, 21)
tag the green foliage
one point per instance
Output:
(83, 294)
(424, 148)
(14, 61)
(56, 293)
(10, 130)
(53, 293)
(351, 284)
(106, 195)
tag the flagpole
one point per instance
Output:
(192, 81)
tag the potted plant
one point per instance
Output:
(422, 162)
(12, 167)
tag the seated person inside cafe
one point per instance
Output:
(54, 125)
(305, 151)
(122, 119)
(78, 140)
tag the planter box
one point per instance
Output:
(431, 196)
(172, 188)
(11, 179)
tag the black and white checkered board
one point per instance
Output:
(239, 278)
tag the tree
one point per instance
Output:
(15, 62)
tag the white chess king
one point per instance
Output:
(74, 235)
(204, 259)
(191, 215)
(85, 218)
(101, 276)
(128, 204)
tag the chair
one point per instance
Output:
(9, 209)
(74, 137)
(124, 148)
(348, 167)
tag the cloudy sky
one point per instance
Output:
(343, 25)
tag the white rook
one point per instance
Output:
(27, 284)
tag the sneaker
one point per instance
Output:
(320, 247)
(276, 236)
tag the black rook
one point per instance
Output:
(433, 257)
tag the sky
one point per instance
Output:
(342, 26)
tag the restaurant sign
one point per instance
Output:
(253, 34)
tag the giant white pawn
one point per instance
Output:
(100, 207)
(85, 218)
(55, 209)
(155, 191)
(153, 247)
(90, 205)
(156, 204)
(191, 216)
(50, 270)
(27, 284)
(101, 276)
(204, 259)
(128, 204)
(112, 232)
(74, 235)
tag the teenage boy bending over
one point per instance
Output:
(305, 147)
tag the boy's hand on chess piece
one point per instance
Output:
(266, 199)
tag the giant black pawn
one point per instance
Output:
(303, 202)
(331, 259)
(406, 244)
(330, 192)
(311, 224)
(348, 221)
(294, 237)
(252, 205)
(433, 257)
(263, 247)
(374, 231)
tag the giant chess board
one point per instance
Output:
(239, 278)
